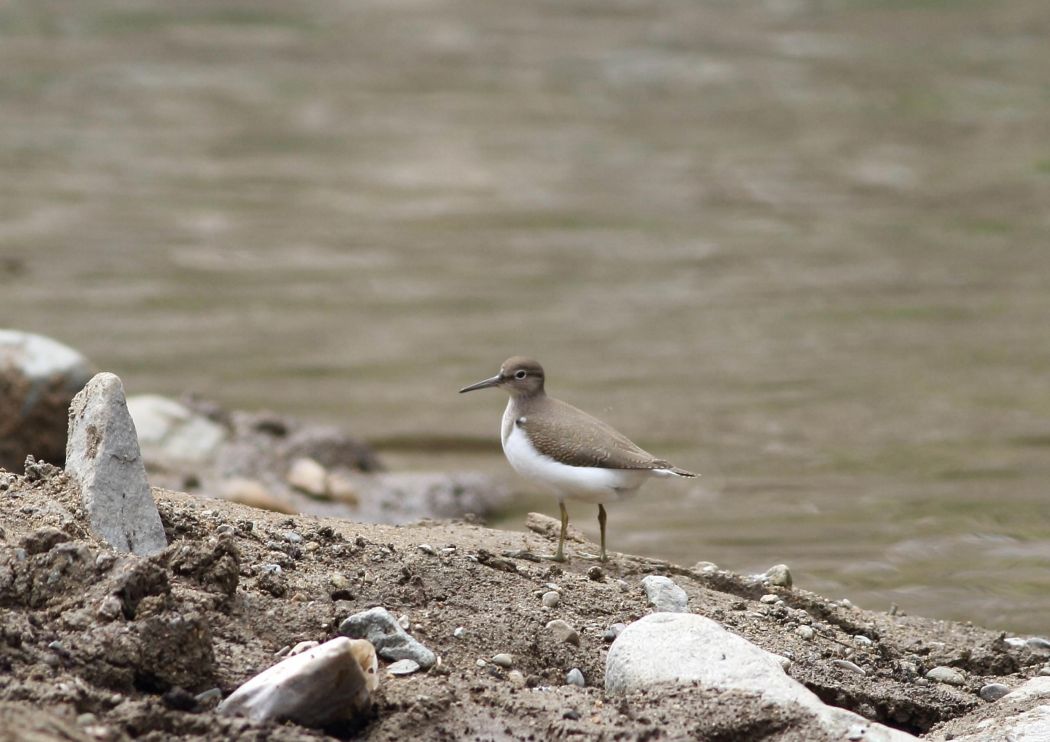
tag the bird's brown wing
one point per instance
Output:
(573, 437)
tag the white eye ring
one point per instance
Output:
(520, 374)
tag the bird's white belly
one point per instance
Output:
(587, 483)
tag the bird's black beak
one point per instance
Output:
(494, 381)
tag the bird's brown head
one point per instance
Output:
(520, 376)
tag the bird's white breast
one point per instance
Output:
(588, 483)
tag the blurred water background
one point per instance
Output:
(799, 246)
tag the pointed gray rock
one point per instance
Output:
(391, 641)
(102, 457)
(664, 595)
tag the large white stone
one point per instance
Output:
(102, 457)
(329, 684)
(684, 648)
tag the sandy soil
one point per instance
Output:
(96, 645)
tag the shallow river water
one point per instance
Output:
(799, 246)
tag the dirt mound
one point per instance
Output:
(114, 646)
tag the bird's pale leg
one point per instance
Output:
(559, 556)
(601, 525)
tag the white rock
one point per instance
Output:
(665, 595)
(806, 632)
(575, 677)
(1029, 726)
(103, 458)
(309, 477)
(684, 648)
(551, 598)
(403, 667)
(949, 675)
(503, 659)
(328, 684)
(171, 432)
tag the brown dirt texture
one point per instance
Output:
(96, 645)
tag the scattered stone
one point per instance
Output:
(516, 677)
(404, 621)
(948, 675)
(309, 477)
(613, 631)
(705, 567)
(595, 573)
(993, 691)
(785, 662)
(38, 379)
(109, 609)
(778, 575)
(481, 663)
(1014, 642)
(378, 626)
(686, 649)
(806, 632)
(102, 457)
(459, 632)
(326, 685)
(426, 549)
(170, 433)
(862, 641)
(1038, 645)
(302, 647)
(254, 494)
(551, 598)
(575, 677)
(503, 660)
(848, 666)
(403, 667)
(770, 598)
(664, 595)
(563, 632)
(1045, 671)
(292, 537)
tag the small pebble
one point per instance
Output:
(778, 575)
(770, 598)
(845, 603)
(459, 632)
(503, 659)
(785, 662)
(551, 598)
(1014, 642)
(613, 631)
(949, 675)
(87, 719)
(292, 537)
(426, 549)
(226, 529)
(1045, 671)
(339, 581)
(209, 697)
(563, 632)
(993, 691)
(575, 677)
(516, 677)
(595, 573)
(848, 666)
(404, 622)
(311, 546)
(110, 608)
(705, 567)
(806, 632)
(481, 663)
(862, 641)
(622, 584)
(553, 586)
(403, 667)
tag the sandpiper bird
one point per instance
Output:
(577, 456)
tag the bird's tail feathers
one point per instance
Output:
(674, 471)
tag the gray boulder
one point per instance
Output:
(392, 642)
(665, 595)
(103, 459)
(327, 685)
(684, 648)
(38, 379)
(171, 433)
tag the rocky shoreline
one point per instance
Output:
(96, 644)
(132, 611)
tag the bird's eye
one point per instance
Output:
(520, 374)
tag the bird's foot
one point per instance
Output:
(593, 557)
